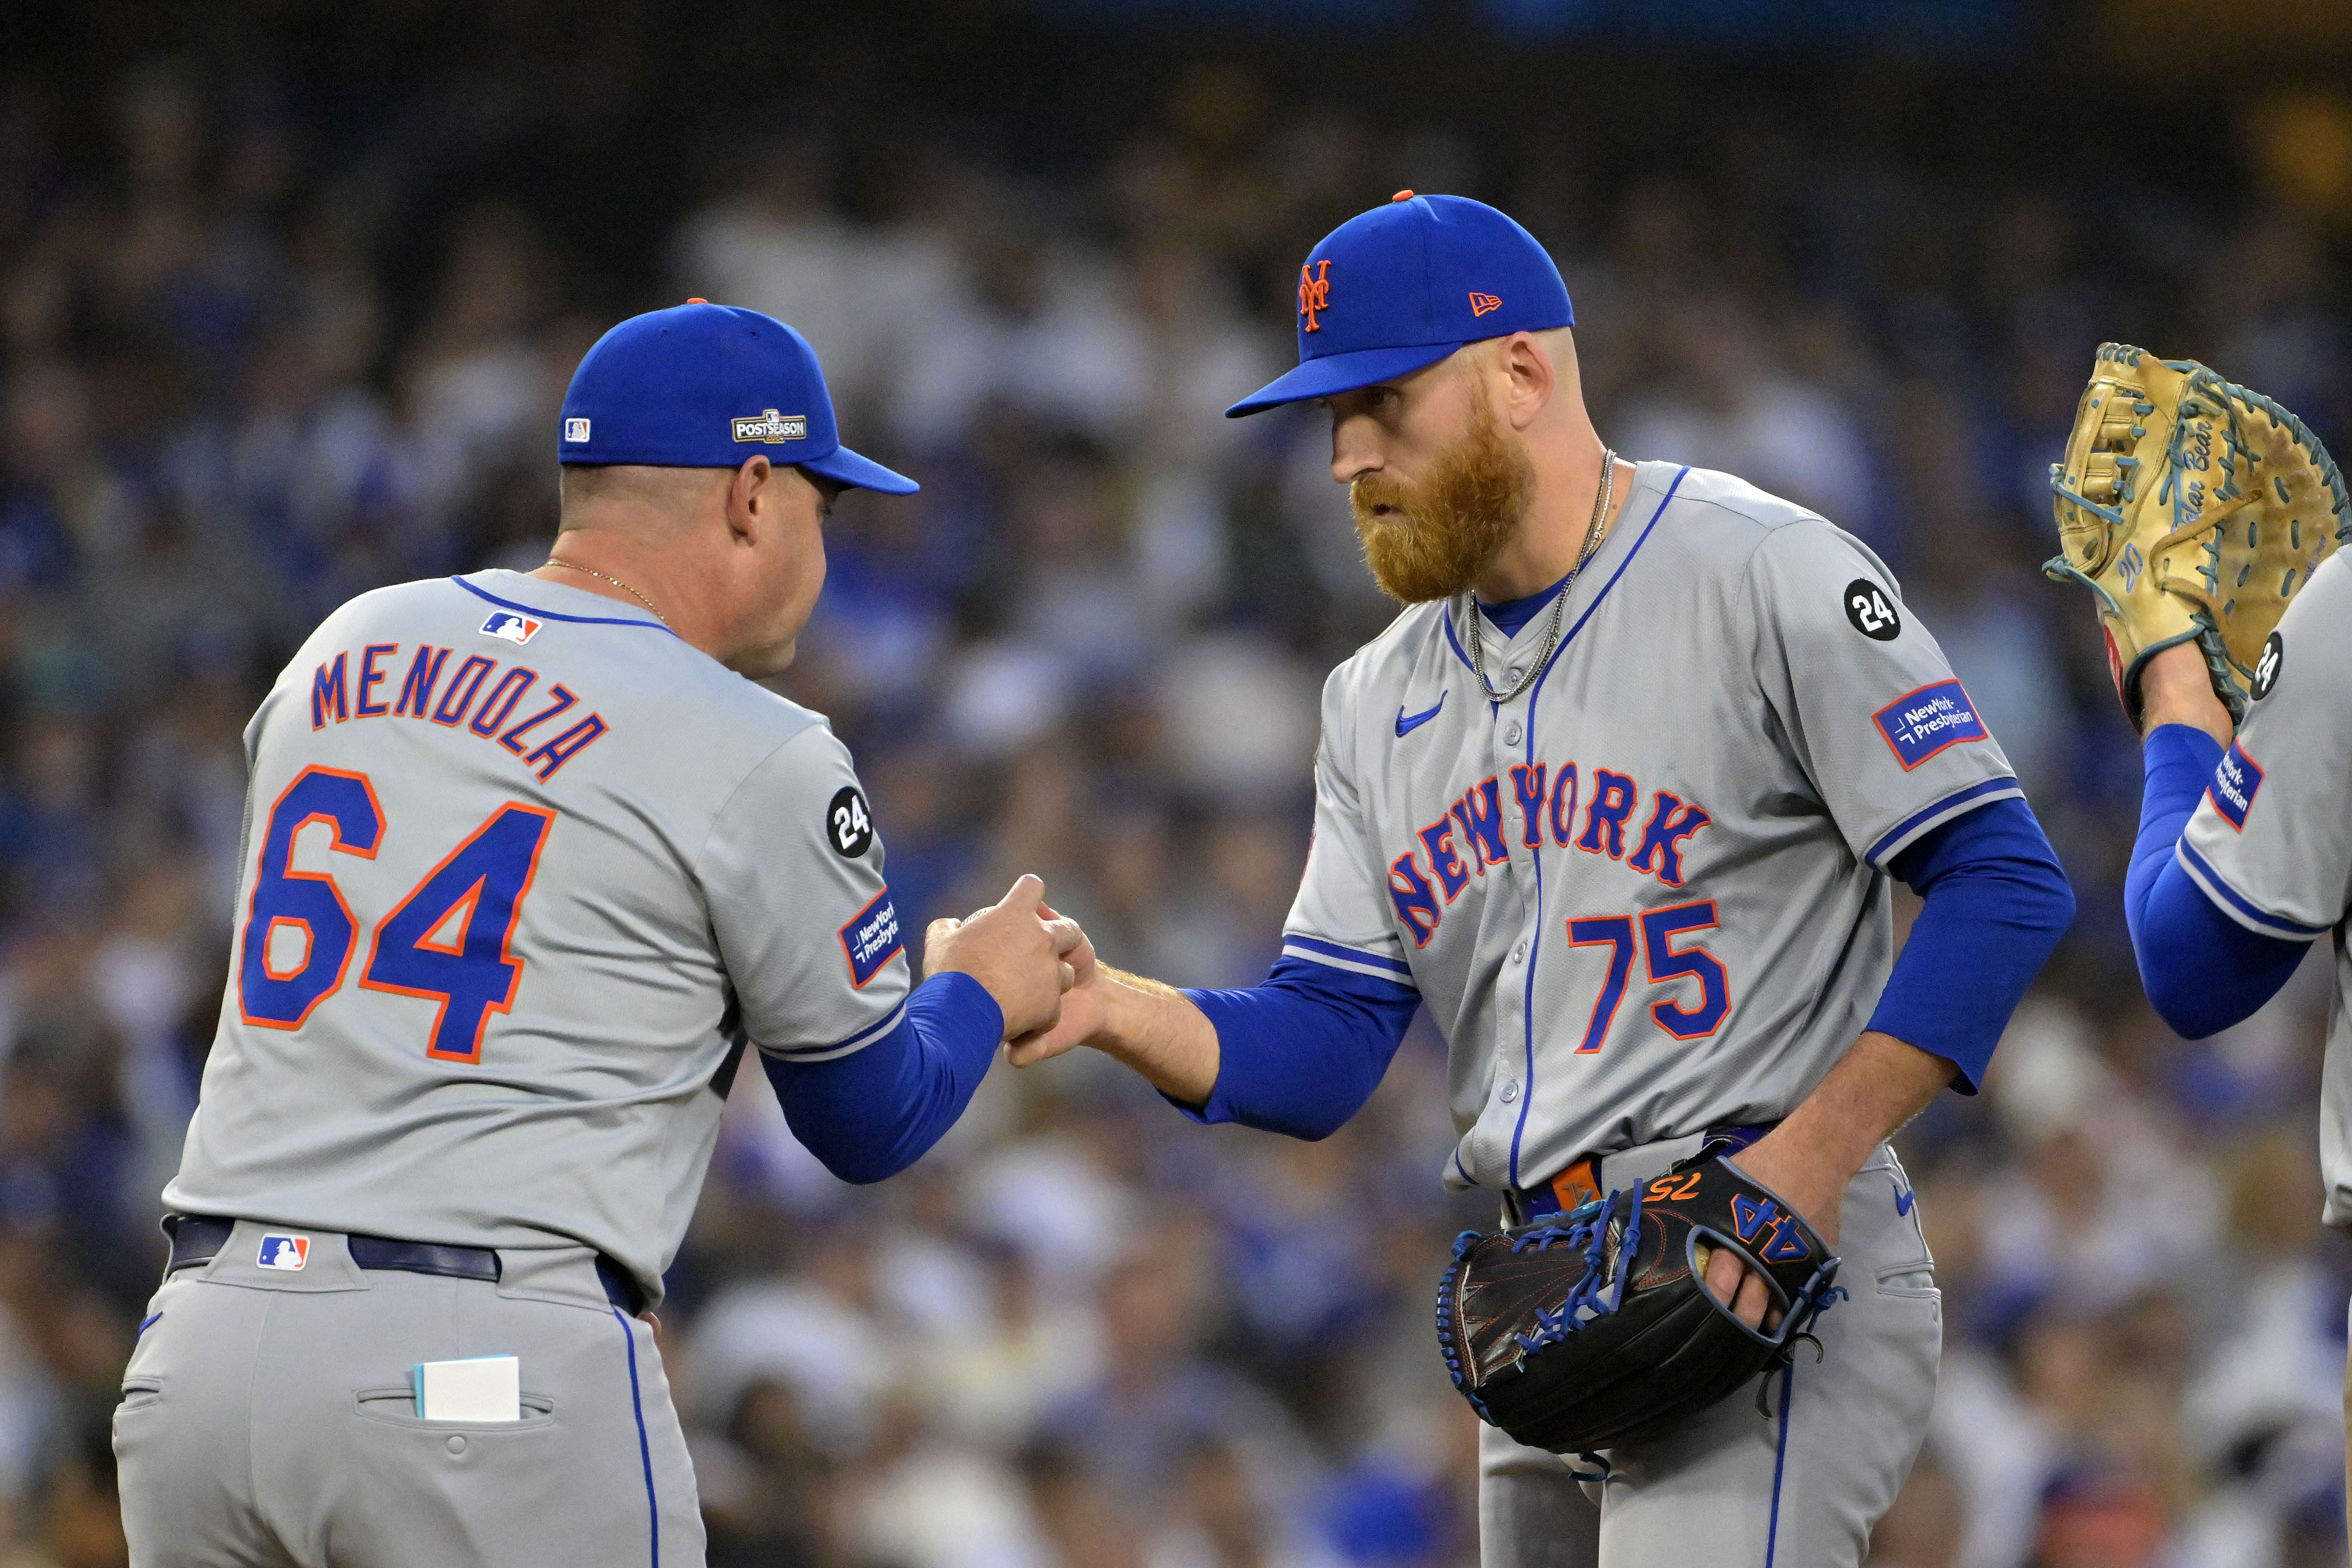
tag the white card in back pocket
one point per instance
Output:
(482, 1388)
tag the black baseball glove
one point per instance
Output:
(1594, 1328)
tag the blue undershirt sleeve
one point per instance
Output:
(2202, 971)
(1996, 902)
(876, 1112)
(1302, 1052)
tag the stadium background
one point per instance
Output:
(288, 294)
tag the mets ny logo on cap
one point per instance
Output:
(1314, 293)
(771, 427)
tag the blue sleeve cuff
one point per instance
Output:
(1301, 1053)
(874, 1113)
(1996, 902)
(2202, 970)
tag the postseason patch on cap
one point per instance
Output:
(2235, 784)
(771, 427)
(871, 939)
(1924, 722)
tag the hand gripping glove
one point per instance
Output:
(2193, 509)
(1594, 1328)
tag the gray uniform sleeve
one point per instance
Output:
(1861, 695)
(2270, 843)
(1342, 917)
(793, 871)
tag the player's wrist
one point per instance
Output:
(2174, 688)
(1125, 1031)
(1156, 1030)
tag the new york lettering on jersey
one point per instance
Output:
(1427, 878)
(1645, 896)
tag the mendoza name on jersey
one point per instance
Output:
(478, 698)
(1469, 836)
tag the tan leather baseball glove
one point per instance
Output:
(2193, 508)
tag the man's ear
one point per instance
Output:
(1529, 378)
(751, 499)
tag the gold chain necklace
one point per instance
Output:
(1593, 533)
(601, 577)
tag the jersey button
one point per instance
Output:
(1519, 954)
(1511, 734)
(1510, 1091)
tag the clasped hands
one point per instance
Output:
(1023, 954)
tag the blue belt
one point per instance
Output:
(197, 1238)
(1580, 1182)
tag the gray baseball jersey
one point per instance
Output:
(2270, 843)
(522, 869)
(1649, 895)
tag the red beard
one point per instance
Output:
(1441, 532)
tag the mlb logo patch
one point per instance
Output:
(575, 430)
(1927, 722)
(513, 627)
(2235, 784)
(285, 1253)
(872, 938)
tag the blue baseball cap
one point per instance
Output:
(705, 386)
(1404, 285)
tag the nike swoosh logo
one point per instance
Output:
(1903, 1202)
(1409, 722)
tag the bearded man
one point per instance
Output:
(1642, 734)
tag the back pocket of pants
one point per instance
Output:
(395, 1405)
(1914, 1280)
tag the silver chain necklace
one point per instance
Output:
(1559, 600)
(623, 587)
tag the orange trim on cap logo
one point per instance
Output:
(1482, 303)
(1314, 293)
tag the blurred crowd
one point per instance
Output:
(1083, 1333)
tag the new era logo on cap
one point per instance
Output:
(771, 427)
(286, 1253)
(1482, 303)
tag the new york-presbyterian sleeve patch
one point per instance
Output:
(871, 939)
(1925, 722)
(2235, 784)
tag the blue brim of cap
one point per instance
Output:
(844, 466)
(1335, 373)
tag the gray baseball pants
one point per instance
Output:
(1799, 1489)
(268, 1421)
